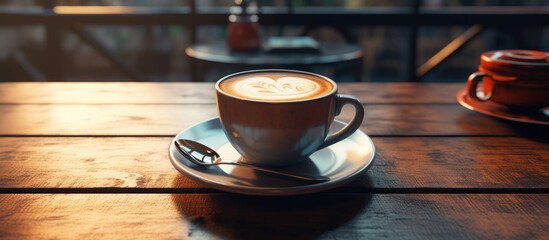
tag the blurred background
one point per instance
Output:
(145, 40)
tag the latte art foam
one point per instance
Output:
(263, 88)
(276, 86)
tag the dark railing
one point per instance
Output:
(414, 17)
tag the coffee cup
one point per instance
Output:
(278, 117)
(514, 78)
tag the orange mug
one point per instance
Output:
(514, 78)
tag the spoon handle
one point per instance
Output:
(206, 151)
(314, 179)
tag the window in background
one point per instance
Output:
(157, 50)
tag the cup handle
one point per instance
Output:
(352, 126)
(472, 83)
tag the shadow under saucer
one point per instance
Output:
(234, 216)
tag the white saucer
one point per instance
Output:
(341, 162)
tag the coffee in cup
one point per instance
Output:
(276, 86)
(514, 78)
(279, 117)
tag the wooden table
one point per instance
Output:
(89, 160)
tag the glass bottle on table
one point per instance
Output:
(243, 30)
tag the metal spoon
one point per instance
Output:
(197, 153)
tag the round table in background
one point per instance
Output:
(212, 55)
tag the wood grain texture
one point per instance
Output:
(435, 166)
(402, 164)
(198, 93)
(166, 120)
(224, 216)
(106, 93)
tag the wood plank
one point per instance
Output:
(167, 120)
(402, 164)
(88, 163)
(105, 93)
(409, 93)
(216, 216)
(461, 163)
(184, 93)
